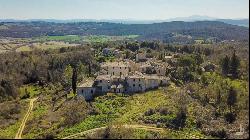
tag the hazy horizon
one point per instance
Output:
(127, 19)
(122, 9)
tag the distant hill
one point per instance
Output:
(193, 18)
(239, 22)
(159, 31)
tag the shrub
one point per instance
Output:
(75, 111)
(220, 134)
(163, 111)
(49, 136)
(230, 117)
(199, 124)
(149, 112)
(180, 119)
(25, 96)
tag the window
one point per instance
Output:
(107, 72)
(120, 67)
(108, 87)
(82, 90)
(133, 85)
(139, 85)
(125, 67)
(113, 73)
(91, 91)
(100, 81)
(120, 73)
(139, 79)
(134, 80)
(113, 67)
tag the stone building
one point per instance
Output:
(117, 77)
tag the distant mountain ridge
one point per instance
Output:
(156, 31)
(239, 22)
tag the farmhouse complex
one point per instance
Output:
(125, 77)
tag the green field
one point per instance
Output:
(90, 39)
(57, 42)
(23, 48)
(103, 38)
(66, 38)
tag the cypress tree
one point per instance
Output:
(225, 65)
(232, 98)
(89, 69)
(234, 66)
(74, 79)
(218, 98)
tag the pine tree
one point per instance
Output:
(234, 66)
(225, 65)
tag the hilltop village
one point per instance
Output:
(126, 76)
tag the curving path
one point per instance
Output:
(20, 130)
(187, 136)
(144, 127)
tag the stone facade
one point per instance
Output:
(117, 77)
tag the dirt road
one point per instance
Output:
(125, 126)
(149, 128)
(20, 130)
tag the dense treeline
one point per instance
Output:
(39, 67)
(161, 31)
